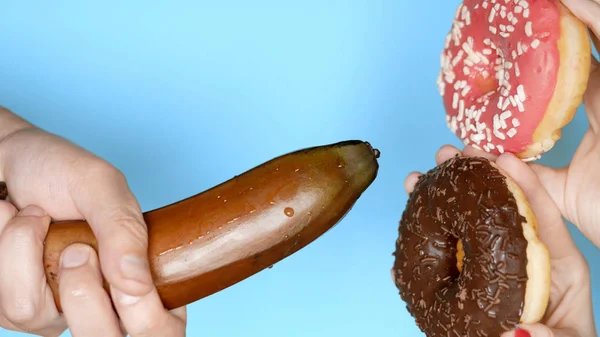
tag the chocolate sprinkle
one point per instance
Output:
(3, 191)
(463, 199)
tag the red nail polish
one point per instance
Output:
(522, 333)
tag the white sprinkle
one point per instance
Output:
(517, 70)
(506, 104)
(493, 29)
(520, 106)
(515, 122)
(500, 148)
(535, 43)
(441, 88)
(506, 114)
(518, 10)
(524, 3)
(465, 90)
(492, 15)
(487, 51)
(512, 132)
(504, 35)
(484, 59)
(526, 13)
(466, 71)
(500, 101)
(455, 100)
(528, 29)
(521, 93)
(457, 58)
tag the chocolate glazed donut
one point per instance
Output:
(217, 238)
(463, 204)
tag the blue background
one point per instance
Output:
(182, 95)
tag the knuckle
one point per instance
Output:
(127, 219)
(98, 167)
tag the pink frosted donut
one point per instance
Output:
(513, 73)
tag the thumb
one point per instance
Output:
(554, 181)
(540, 330)
(587, 11)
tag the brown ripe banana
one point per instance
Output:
(215, 239)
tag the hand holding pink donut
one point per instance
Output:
(575, 188)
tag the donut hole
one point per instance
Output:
(487, 85)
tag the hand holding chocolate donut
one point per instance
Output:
(486, 285)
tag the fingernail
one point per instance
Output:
(123, 298)
(134, 268)
(32, 211)
(522, 333)
(75, 256)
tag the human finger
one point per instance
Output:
(552, 230)
(103, 197)
(112, 211)
(144, 316)
(471, 151)
(7, 212)
(86, 305)
(180, 313)
(596, 43)
(26, 301)
(554, 180)
(410, 181)
(446, 152)
(443, 153)
(540, 330)
(588, 11)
